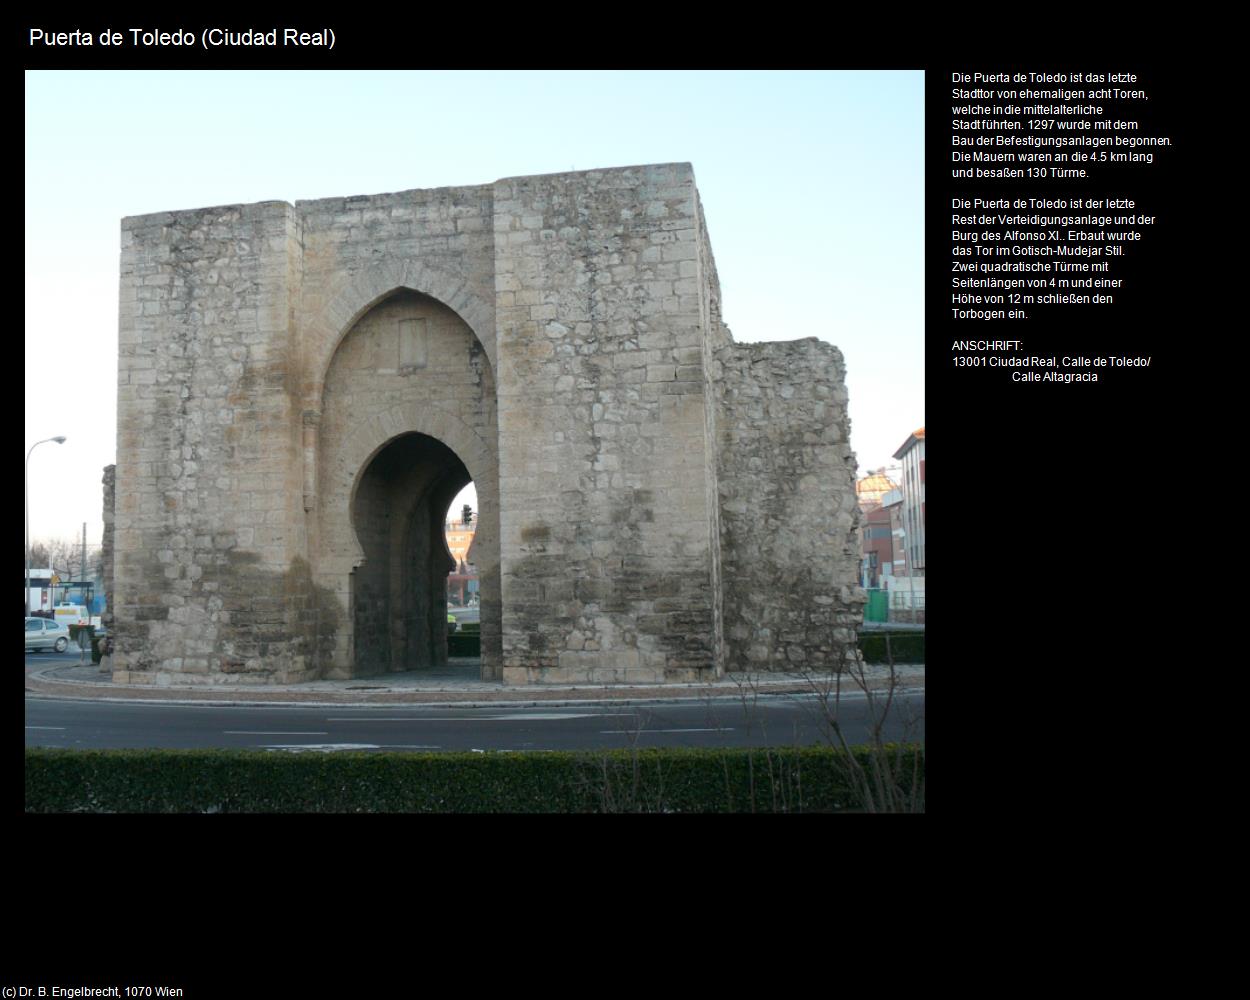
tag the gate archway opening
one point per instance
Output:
(399, 591)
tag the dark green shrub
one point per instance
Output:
(806, 779)
(76, 630)
(464, 644)
(904, 647)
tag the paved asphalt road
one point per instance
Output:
(772, 721)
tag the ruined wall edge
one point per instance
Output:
(789, 553)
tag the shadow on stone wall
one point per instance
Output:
(245, 624)
(271, 627)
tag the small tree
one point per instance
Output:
(891, 778)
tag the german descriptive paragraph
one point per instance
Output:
(1044, 217)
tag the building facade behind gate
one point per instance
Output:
(304, 389)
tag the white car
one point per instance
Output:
(44, 633)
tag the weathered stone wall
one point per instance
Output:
(371, 604)
(788, 514)
(357, 251)
(716, 336)
(302, 388)
(106, 542)
(210, 578)
(605, 530)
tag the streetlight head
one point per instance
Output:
(59, 440)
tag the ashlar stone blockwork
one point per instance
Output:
(303, 390)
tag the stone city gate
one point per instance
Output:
(304, 389)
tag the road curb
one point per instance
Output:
(39, 682)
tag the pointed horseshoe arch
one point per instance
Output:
(372, 436)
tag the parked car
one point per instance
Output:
(44, 633)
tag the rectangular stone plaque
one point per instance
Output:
(413, 343)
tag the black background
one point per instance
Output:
(1059, 559)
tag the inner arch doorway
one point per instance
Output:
(399, 598)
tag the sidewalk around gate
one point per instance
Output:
(455, 684)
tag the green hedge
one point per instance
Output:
(806, 779)
(905, 647)
(93, 639)
(462, 644)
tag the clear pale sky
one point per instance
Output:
(812, 185)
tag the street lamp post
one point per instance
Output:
(26, 500)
